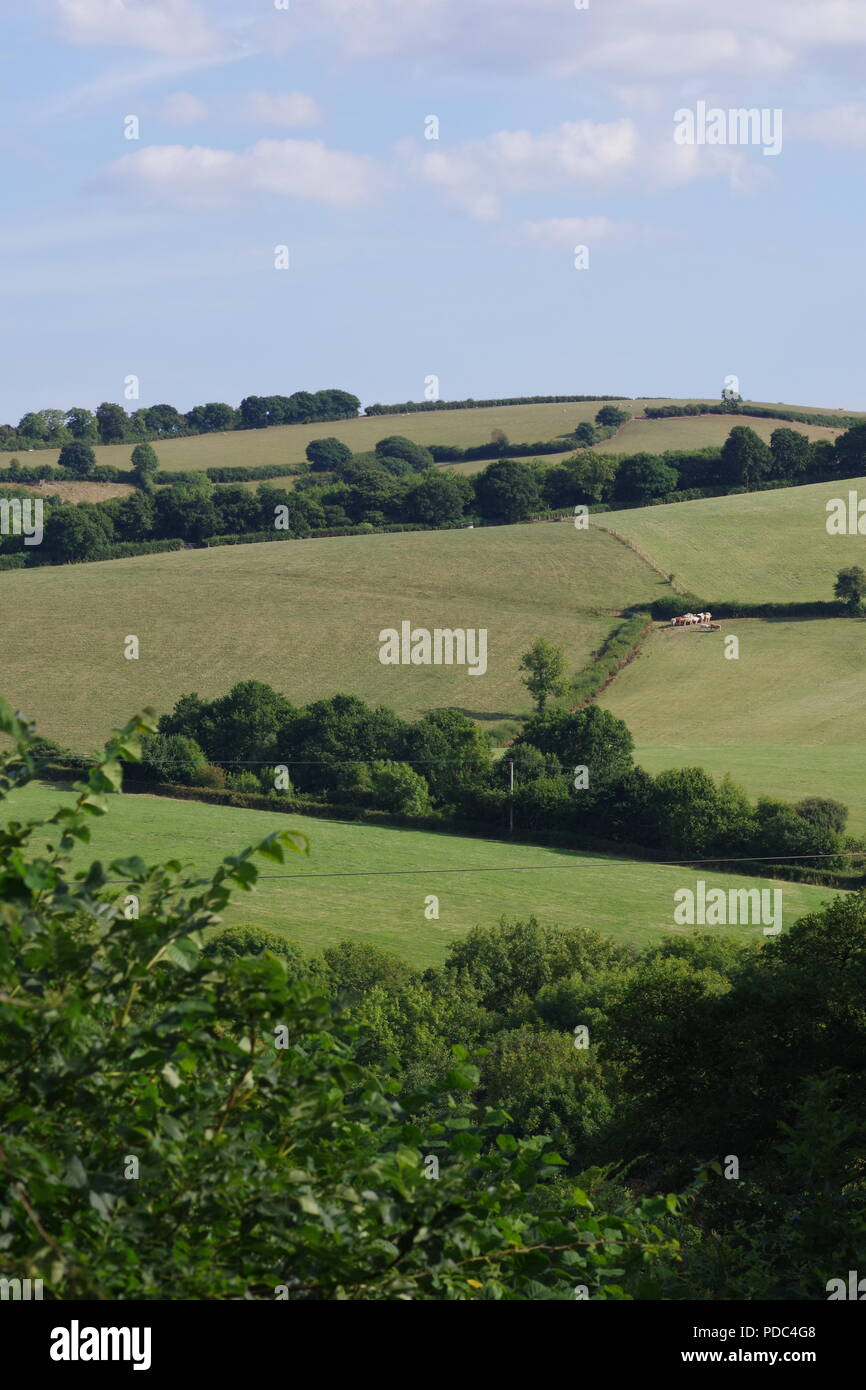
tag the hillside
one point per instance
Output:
(305, 617)
(285, 444)
(630, 901)
(769, 547)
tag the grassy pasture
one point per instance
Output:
(770, 547)
(305, 616)
(697, 432)
(629, 901)
(787, 718)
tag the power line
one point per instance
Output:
(606, 861)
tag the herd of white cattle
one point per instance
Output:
(692, 620)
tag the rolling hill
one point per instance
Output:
(758, 547)
(305, 617)
(285, 444)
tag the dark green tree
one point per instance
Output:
(145, 464)
(643, 477)
(791, 452)
(509, 491)
(592, 738)
(76, 533)
(851, 451)
(611, 415)
(112, 423)
(328, 453)
(850, 588)
(78, 458)
(396, 447)
(438, 498)
(81, 424)
(746, 459)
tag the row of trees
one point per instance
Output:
(397, 484)
(479, 1130)
(111, 424)
(344, 751)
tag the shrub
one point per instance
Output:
(234, 943)
(398, 787)
(244, 782)
(209, 776)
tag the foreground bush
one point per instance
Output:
(180, 1125)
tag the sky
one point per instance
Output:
(307, 125)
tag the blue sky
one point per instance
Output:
(409, 257)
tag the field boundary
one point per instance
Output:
(645, 556)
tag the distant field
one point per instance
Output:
(760, 546)
(78, 492)
(285, 444)
(787, 718)
(305, 616)
(697, 432)
(631, 902)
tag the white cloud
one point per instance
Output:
(478, 174)
(631, 41)
(182, 108)
(196, 176)
(556, 233)
(283, 108)
(161, 26)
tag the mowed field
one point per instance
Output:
(286, 444)
(769, 547)
(786, 719)
(305, 616)
(630, 901)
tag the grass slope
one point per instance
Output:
(305, 616)
(630, 901)
(770, 547)
(786, 719)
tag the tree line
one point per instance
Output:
(111, 424)
(398, 484)
(573, 772)
(414, 407)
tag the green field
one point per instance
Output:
(629, 901)
(787, 718)
(305, 616)
(769, 547)
(697, 432)
(285, 444)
